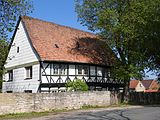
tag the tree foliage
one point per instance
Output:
(127, 26)
(3, 55)
(77, 85)
(10, 10)
(130, 28)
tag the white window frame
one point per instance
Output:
(81, 70)
(85, 69)
(29, 73)
(99, 71)
(92, 71)
(10, 75)
(55, 69)
(63, 70)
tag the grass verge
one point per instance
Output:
(23, 115)
(20, 116)
(92, 107)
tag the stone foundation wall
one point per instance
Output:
(29, 102)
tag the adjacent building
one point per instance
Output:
(144, 86)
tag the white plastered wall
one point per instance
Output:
(17, 61)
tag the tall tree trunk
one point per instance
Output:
(125, 93)
(1, 76)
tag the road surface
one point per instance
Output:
(137, 113)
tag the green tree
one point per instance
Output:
(77, 85)
(10, 10)
(124, 25)
(3, 55)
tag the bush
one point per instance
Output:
(77, 85)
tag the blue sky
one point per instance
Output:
(58, 11)
(61, 12)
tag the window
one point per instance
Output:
(92, 70)
(29, 72)
(9, 91)
(55, 69)
(107, 72)
(82, 70)
(59, 69)
(140, 85)
(99, 71)
(17, 49)
(63, 69)
(85, 70)
(28, 91)
(10, 73)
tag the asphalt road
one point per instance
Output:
(137, 113)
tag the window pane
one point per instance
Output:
(28, 91)
(107, 72)
(10, 73)
(92, 70)
(17, 49)
(99, 71)
(79, 70)
(29, 72)
(63, 69)
(55, 69)
(85, 70)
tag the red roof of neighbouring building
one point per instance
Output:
(151, 91)
(60, 43)
(133, 84)
(154, 85)
(146, 83)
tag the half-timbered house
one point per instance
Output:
(43, 56)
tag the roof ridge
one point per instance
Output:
(28, 17)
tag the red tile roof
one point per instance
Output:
(60, 43)
(133, 84)
(146, 83)
(154, 85)
(151, 91)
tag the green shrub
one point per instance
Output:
(77, 85)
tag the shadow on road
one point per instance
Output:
(101, 115)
